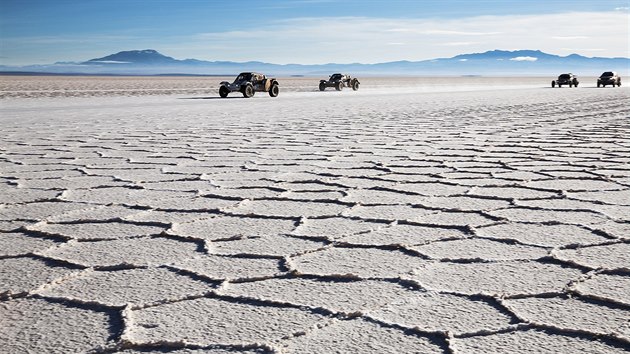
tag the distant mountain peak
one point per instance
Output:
(145, 56)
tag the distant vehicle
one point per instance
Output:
(339, 81)
(609, 78)
(565, 79)
(248, 84)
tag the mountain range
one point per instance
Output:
(493, 63)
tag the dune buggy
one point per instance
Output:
(248, 84)
(339, 81)
(565, 79)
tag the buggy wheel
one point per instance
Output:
(339, 86)
(355, 85)
(570, 84)
(553, 83)
(248, 91)
(599, 84)
(223, 91)
(274, 91)
(619, 83)
(322, 86)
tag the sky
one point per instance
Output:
(308, 31)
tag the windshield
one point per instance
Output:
(335, 76)
(564, 76)
(243, 77)
(608, 73)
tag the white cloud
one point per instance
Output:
(569, 37)
(361, 39)
(524, 59)
(458, 44)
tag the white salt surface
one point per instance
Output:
(146, 215)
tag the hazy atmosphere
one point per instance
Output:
(310, 31)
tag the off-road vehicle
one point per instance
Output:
(565, 79)
(609, 78)
(250, 83)
(339, 81)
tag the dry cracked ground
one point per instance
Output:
(493, 221)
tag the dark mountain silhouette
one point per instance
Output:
(494, 62)
(147, 56)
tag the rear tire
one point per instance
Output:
(599, 84)
(248, 91)
(223, 91)
(570, 84)
(322, 86)
(339, 86)
(274, 90)
(355, 85)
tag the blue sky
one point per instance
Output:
(308, 31)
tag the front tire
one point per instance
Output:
(274, 90)
(248, 91)
(223, 91)
(339, 86)
(322, 86)
(553, 84)
(355, 85)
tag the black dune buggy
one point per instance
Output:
(565, 79)
(339, 81)
(248, 84)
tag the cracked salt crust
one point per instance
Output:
(434, 312)
(614, 256)
(99, 231)
(607, 286)
(15, 244)
(38, 326)
(357, 336)
(136, 251)
(358, 262)
(233, 192)
(403, 234)
(267, 245)
(226, 227)
(231, 268)
(500, 278)
(481, 249)
(574, 314)
(541, 235)
(523, 342)
(129, 286)
(231, 322)
(335, 295)
(19, 276)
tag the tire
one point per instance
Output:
(355, 85)
(599, 84)
(553, 84)
(248, 91)
(559, 85)
(570, 84)
(339, 86)
(274, 90)
(576, 84)
(223, 91)
(322, 86)
(619, 83)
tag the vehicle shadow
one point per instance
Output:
(209, 98)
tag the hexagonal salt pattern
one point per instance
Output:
(479, 221)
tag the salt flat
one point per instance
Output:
(474, 215)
